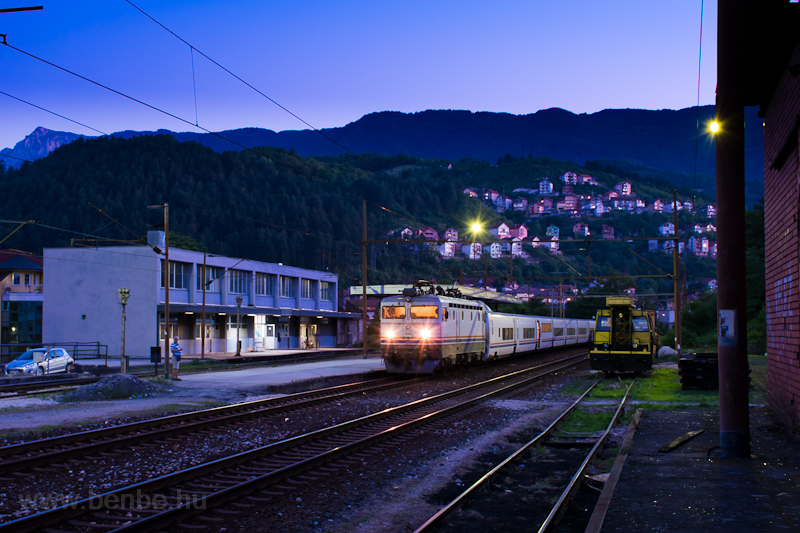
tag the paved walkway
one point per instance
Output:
(692, 489)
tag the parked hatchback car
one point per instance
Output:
(40, 361)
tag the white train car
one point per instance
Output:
(430, 330)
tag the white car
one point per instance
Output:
(40, 361)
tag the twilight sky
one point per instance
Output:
(332, 62)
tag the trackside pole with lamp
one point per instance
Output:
(122, 296)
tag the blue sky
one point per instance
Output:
(332, 62)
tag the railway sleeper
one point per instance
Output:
(92, 525)
(207, 518)
(118, 517)
(193, 527)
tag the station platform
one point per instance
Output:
(692, 488)
(114, 361)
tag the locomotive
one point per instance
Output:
(428, 330)
(625, 339)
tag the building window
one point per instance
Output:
(237, 282)
(326, 291)
(15, 280)
(264, 284)
(210, 277)
(178, 275)
(287, 287)
(305, 289)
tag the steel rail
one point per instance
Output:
(156, 428)
(336, 449)
(574, 482)
(487, 478)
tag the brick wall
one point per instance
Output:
(781, 198)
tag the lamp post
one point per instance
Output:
(238, 324)
(122, 296)
(475, 229)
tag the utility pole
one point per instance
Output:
(676, 274)
(364, 278)
(203, 325)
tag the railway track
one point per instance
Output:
(211, 492)
(483, 500)
(52, 451)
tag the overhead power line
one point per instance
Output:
(181, 39)
(53, 113)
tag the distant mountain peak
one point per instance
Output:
(38, 144)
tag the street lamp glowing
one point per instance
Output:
(714, 126)
(476, 228)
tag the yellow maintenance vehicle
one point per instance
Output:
(625, 338)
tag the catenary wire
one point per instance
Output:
(52, 113)
(181, 39)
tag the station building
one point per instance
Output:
(266, 306)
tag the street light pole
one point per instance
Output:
(123, 295)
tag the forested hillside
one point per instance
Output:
(273, 205)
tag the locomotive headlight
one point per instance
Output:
(635, 345)
(389, 334)
(425, 334)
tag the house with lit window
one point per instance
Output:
(545, 187)
(21, 295)
(212, 301)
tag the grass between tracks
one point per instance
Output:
(658, 389)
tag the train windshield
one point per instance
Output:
(640, 324)
(424, 311)
(603, 323)
(394, 311)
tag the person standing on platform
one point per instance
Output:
(175, 348)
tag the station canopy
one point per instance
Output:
(473, 293)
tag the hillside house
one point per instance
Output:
(702, 228)
(447, 249)
(550, 242)
(652, 245)
(709, 211)
(570, 204)
(490, 196)
(580, 229)
(667, 228)
(668, 207)
(585, 179)
(537, 209)
(608, 232)
(698, 245)
(472, 250)
(567, 189)
(545, 187)
(710, 283)
(623, 203)
(525, 190)
(656, 206)
(667, 246)
(427, 233)
(504, 203)
(500, 231)
(520, 204)
(513, 247)
(450, 234)
(624, 188)
(608, 196)
(472, 193)
(552, 230)
(688, 205)
(712, 248)
(518, 230)
(570, 178)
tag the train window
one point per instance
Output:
(640, 324)
(581, 331)
(528, 333)
(547, 328)
(393, 311)
(558, 332)
(424, 311)
(603, 323)
(570, 331)
(445, 314)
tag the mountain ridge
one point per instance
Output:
(661, 139)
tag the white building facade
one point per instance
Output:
(280, 306)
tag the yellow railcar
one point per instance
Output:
(625, 339)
